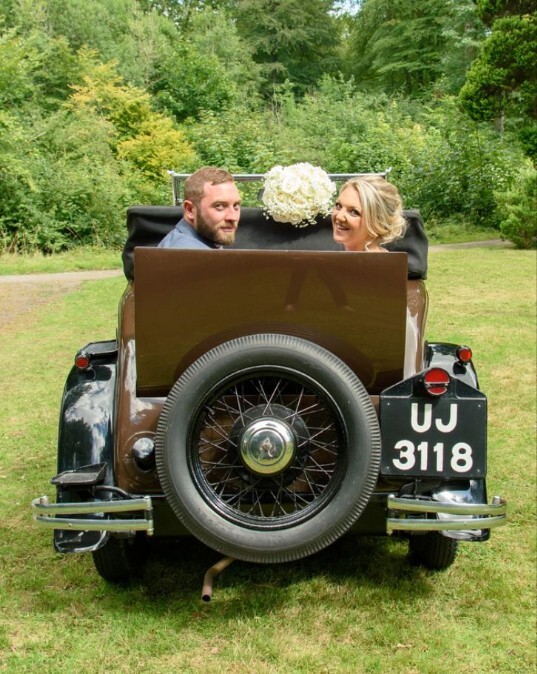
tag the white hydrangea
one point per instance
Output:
(297, 194)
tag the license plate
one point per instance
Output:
(444, 437)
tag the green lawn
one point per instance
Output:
(79, 259)
(358, 606)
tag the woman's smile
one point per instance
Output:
(347, 221)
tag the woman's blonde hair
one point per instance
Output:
(382, 207)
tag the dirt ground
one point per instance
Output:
(21, 295)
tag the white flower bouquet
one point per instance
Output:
(297, 194)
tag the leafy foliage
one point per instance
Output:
(245, 147)
(68, 175)
(188, 82)
(506, 67)
(401, 46)
(156, 145)
(99, 99)
(463, 33)
(518, 208)
(291, 40)
(183, 12)
(463, 163)
(503, 79)
(490, 10)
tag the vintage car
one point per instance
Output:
(268, 399)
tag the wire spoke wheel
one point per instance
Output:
(268, 451)
(268, 448)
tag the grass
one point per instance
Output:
(78, 259)
(459, 232)
(358, 606)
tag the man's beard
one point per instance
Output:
(212, 233)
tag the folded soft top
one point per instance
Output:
(147, 225)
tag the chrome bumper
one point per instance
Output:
(59, 515)
(446, 515)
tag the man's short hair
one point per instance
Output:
(194, 184)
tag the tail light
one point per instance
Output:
(464, 354)
(82, 360)
(436, 381)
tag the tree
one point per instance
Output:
(187, 82)
(291, 39)
(490, 10)
(518, 207)
(183, 12)
(215, 34)
(149, 140)
(463, 32)
(502, 82)
(412, 47)
(158, 146)
(152, 49)
(397, 45)
(69, 169)
(19, 60)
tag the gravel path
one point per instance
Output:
(491, 243)
(61, 277)
(21, 295)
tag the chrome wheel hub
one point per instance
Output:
(267, 446)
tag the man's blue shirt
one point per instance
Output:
(184, 235)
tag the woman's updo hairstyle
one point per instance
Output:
(382, 208)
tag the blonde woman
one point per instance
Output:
(367, 214)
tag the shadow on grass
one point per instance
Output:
(352, 568)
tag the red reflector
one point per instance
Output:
(436, 381)
(82, 361)
(464, 354)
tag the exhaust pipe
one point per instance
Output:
(211, 574)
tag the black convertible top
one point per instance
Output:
(147, 225)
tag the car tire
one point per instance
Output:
(121, 559)
(268, 448)
(433, 550)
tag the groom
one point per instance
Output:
(212, 207)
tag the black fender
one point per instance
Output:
(86, 434)
(441, 354)
(86, 426)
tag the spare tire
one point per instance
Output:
(268, 448)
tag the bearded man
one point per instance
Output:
(212, 208)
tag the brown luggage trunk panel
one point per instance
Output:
(188, 301)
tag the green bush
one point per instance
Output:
(518, 208)
(461, 165)
(443, 164)
(240, 138)
(79, 143)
